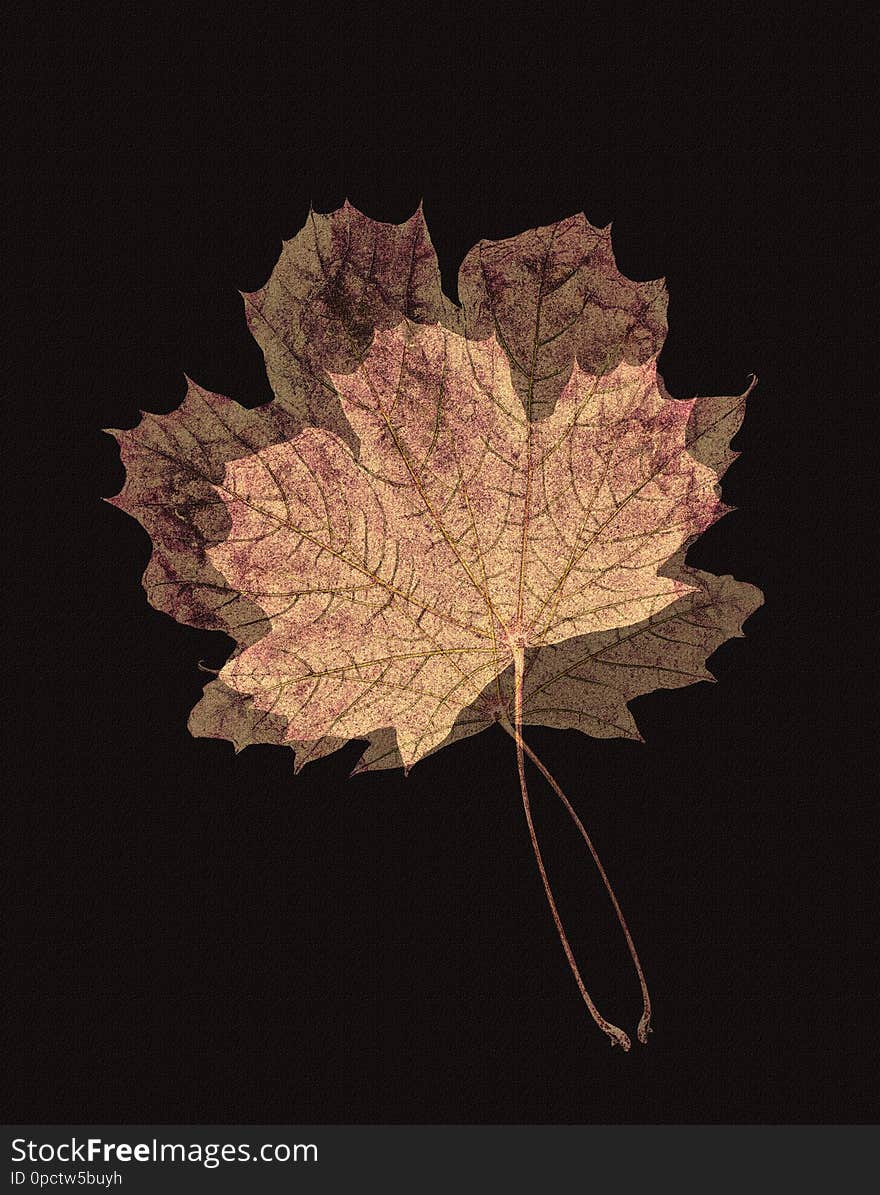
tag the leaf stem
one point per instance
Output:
(616, 1034)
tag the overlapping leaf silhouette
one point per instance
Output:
(339, 278)
(424, 411)
(448, 516)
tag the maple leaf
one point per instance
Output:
(448, 517)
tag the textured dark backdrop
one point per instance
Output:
(197, 936)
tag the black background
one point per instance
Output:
(203, 937)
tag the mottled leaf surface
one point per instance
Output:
(434, 489)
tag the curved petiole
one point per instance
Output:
(616, 1034)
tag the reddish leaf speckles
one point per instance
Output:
(447, 517)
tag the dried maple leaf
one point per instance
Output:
(447, 518)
